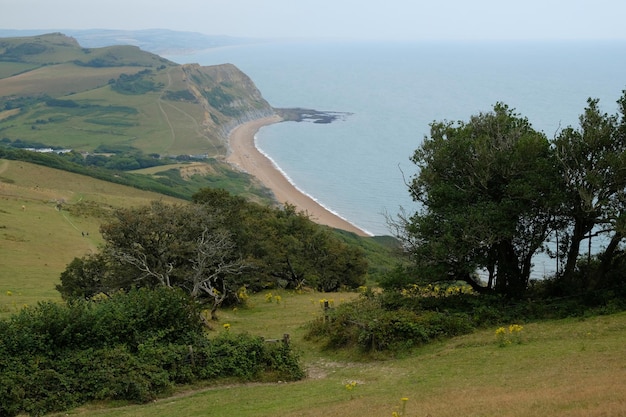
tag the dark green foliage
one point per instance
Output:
(129, 319)
(285, 248)
(221, 101)
(212, 249)
(282, 363)
(396, 320)
(138, 83)
(14, 102)
(17, 52)
(21, 144)
(493, 191)
(397, 279)
(180, 95)
(53, 102)
(488, 195)
(370, 326)
(133, 346)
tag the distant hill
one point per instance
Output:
(138, 128)
(120, 108)
(56, 92)
(158, 41)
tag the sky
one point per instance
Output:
(333, 19)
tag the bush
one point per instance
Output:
(375, 324)
(133, 347)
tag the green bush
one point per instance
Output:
(133, 347)
(367, 324)
(282, 363)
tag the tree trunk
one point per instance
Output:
(475, 285)
(214, 312)
(581, 229)
(609, 253)
(510, 280)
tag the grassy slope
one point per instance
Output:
(37, 241)
(564, 368)
(161, 121)
(156, 126)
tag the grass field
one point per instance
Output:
(60, 79)
(570, 367)
(155, 125)
(37, 240)
(574, 367)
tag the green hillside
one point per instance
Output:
(120, 101)
(119, 97)
(48, 217)
(112, 106)
(139, 128)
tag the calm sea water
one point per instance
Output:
(357, 167)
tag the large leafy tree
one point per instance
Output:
(592, 161)
(212, 248)
(487, 195)
(161, 245)
(283, 247)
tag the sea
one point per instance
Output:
(359, 166)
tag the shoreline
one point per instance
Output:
(244, 154)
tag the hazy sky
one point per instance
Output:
(345, 19)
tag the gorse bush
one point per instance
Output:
(398, 319)
(133, 346)
(368, 325)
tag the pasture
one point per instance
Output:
(47, 218)
(573, 367)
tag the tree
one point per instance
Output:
(284, 247)
(91, 275)
(162, 245)
(212, 248)
(488, 194)
(592, 161)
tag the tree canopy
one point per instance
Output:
(493, 192)
(214, 248)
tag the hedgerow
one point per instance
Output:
(394, 320)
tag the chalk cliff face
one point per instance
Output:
(228, 96)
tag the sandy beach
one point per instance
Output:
(247, 157)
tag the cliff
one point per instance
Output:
(228, 96)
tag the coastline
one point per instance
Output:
(244, 154)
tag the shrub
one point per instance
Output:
(372, 325)
(132, 347)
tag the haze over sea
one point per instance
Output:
(355, 166)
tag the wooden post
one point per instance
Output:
(191, 358)
(326, 308)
